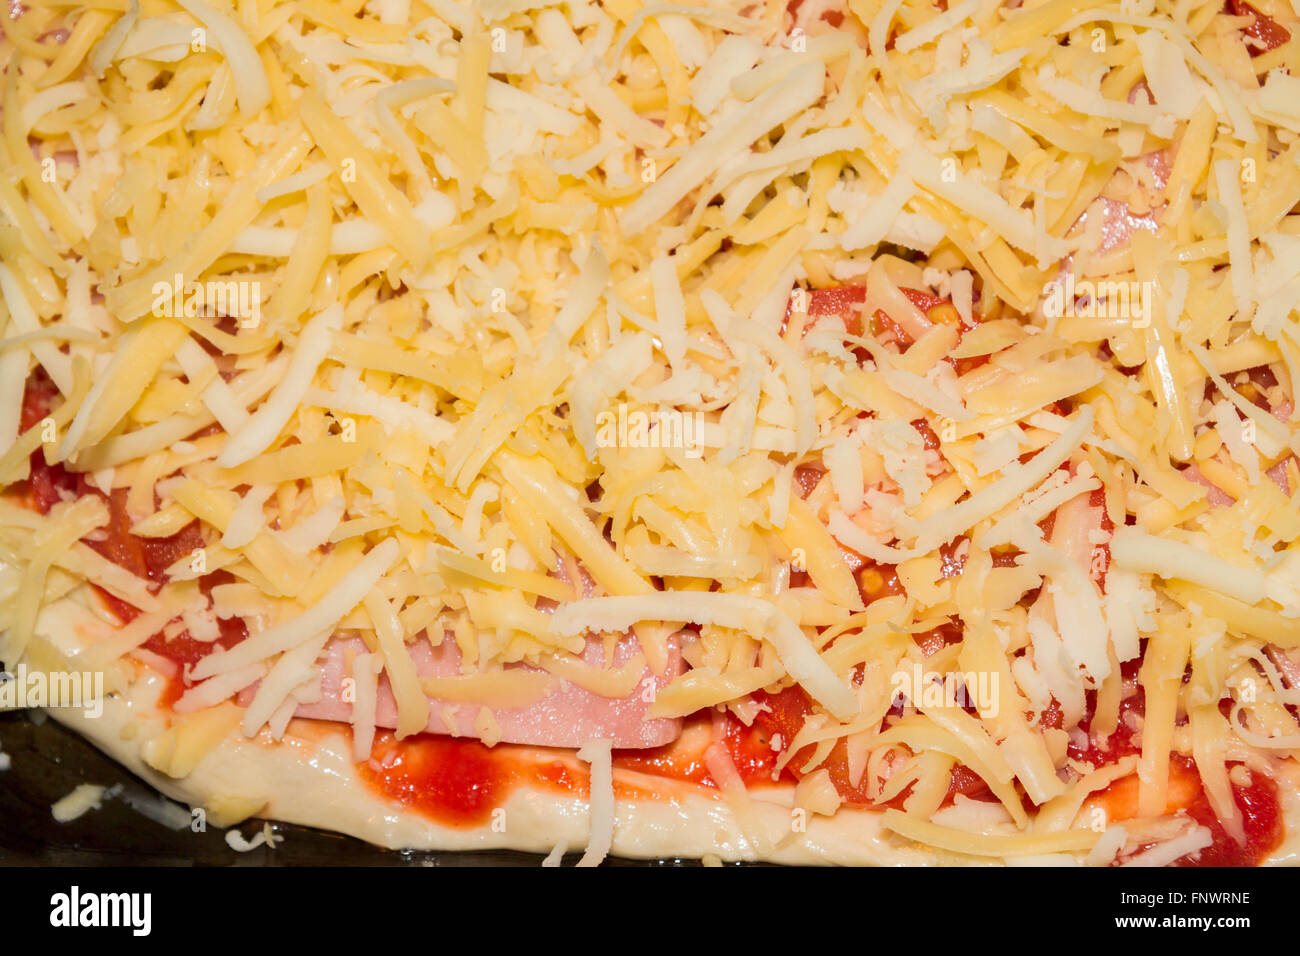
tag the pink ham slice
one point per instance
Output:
(1117, 221)
(1217, 496)
(1285, 664)
(569, 717)
(1076, 522)
(1118, 224)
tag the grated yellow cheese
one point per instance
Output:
(434, 334)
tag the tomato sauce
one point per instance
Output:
(1258, 801)
(456, 781)
(146, 558)
(844, 300)
(46, 485)
(1260, 808)
(847, 302)
(1261, 815)
(750, 750)
(1267, 31)
(785, 716)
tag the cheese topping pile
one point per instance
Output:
(430, 312)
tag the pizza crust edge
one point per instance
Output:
(308, 778)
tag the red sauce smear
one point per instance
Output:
(459, 782)
(1260, 808)
(1258, 801)
(1267, 31)
(848, 301)
(844, 300)
(785, 716)
(456, 781)
(1261, 820)
(750, 749)
(146, 558)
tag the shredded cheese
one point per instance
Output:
(511, 326)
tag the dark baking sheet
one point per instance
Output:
(48, 761)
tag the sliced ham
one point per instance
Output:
(1285, 665)
(1278, 474)
(1217, 497)
(568, 717)
(1077, 522)
(1118, 224)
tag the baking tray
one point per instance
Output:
(48, 761)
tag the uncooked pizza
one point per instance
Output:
(828, 431)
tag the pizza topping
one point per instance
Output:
(456, 782)
(552, 376)
(1264, 33)
(528, 705)
(800, 659)
(597, 754)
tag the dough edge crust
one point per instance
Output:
(309, 779)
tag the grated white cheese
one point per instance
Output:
(321, 618)
(597, 754)
(86, 797)
(722, 610)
